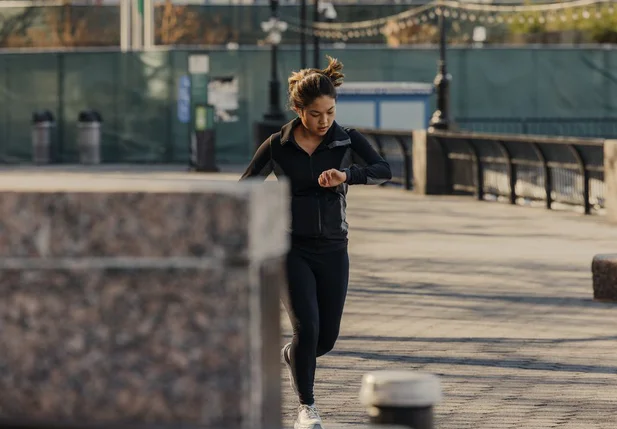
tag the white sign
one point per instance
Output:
(223, 94)
(199, 64)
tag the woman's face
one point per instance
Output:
(318, 117)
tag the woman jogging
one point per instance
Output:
(320, 159)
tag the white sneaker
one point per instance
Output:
(308, 418)
(285, 359)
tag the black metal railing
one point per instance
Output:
(550, 169)
(567, 127)
(517, 167)
(394, 147)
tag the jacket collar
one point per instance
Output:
(335, 137)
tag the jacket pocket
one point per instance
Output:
(305, 216)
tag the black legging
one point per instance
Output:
(317, 288)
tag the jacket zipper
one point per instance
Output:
(316, 194)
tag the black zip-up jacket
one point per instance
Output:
(318, 218)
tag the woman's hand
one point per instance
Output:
(331, 178)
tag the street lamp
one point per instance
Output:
(315, 36)
(329, 12)
(303, 34)
(274, 118)
(440, 119)
(274, 27)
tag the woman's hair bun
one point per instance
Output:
(333, 71)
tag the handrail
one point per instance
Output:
(405, 150)
(515, 166)
(563, 156)
(585, 141)
(599, 126)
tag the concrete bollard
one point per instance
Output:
(404, 398)
(604, 277)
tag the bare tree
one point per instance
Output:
(182, 25)
(178, 25)
(58, 26)
(14, 25)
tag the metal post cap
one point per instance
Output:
(400, 389)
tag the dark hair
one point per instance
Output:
(308, 84)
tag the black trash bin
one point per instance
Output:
(89, 137)
(265, 128)
(43, 123)
(203, 140)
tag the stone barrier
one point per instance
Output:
(137, 302)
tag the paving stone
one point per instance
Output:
(496, 299)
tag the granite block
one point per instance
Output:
(82, 216)
(604, 274)
(159, 343)
(114, 224)
(127, 302)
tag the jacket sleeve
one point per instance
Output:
(371, 169)
(261, 164)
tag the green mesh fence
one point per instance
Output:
(136, 93)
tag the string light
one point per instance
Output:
(458, 10)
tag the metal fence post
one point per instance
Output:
(585, 175)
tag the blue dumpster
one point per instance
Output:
(401, 106)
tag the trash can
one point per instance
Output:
(264, 129)
(89, 137)
(42, 125)
(203, 140)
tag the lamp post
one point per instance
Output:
(315, 37)
(440, 119)
(303, 34)
(274, 27)
(329, 12)
(274, 117)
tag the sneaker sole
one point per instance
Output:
(315, 426)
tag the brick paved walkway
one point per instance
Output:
(495, 299)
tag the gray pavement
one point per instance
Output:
(495, 299)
